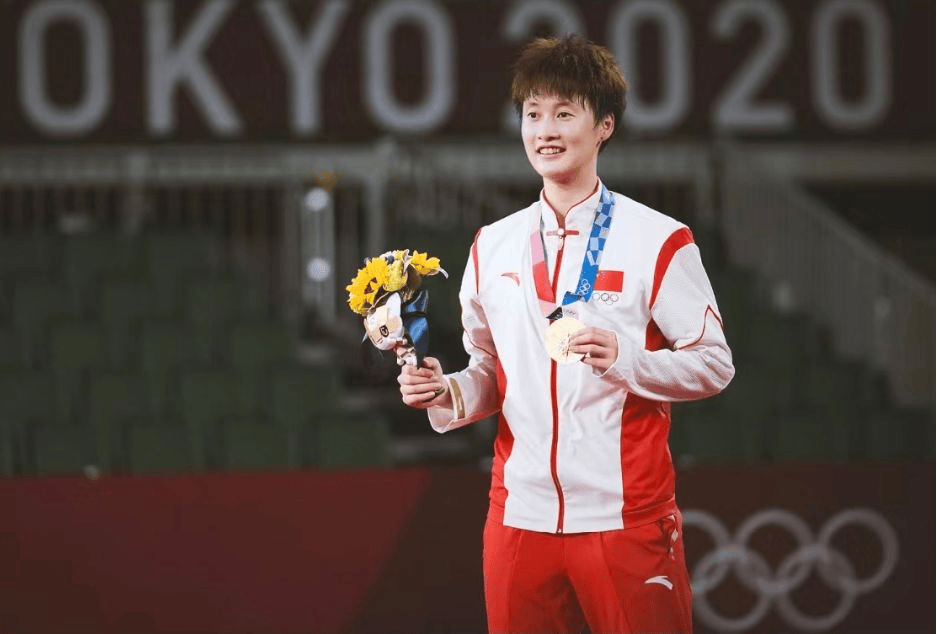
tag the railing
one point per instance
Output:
(255, 198)
(875, 308)
(258, 197)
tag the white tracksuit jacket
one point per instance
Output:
(579, 451)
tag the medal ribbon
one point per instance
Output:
(590, 262)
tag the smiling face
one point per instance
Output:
(562, 139)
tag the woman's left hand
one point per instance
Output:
(599, 346)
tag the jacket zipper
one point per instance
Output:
(556, 411)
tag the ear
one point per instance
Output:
(608, 125)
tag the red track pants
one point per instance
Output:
(626, 581)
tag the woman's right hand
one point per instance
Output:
(425, 386)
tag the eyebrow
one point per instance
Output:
(560, 102)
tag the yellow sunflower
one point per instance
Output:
(388, 273)
(424, 265)
(396, 272)
(369, 280)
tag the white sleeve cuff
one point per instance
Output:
(443, 419)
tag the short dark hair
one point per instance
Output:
(574, 68)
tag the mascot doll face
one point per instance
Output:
(384, 324)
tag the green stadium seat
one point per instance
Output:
(208, 398)
(64, 448)
(300, 396)
(833, 397)
(747, 405)
(212, 303)
(254, 347)
(807, 438)
(702, 434)
(735, 297)
(771, 344)
(27, 395)
(26, 399)
(11, 350)
(302, 393)
(37, 302)
(76, 348)
(29, 254)
(920, 430)
(887, 438)
(87, 257)
(8, 453)
(124, 303)
(352, 440)
(116, 400)
(6, 298)
(171, 257)
(248, 444)
(164, 348)
(160, 446)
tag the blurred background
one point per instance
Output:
(189, 439)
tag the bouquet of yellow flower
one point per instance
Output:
(386, 292)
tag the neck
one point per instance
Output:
(563, 197)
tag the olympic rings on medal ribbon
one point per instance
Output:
(752, 570)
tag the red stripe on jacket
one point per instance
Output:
(475, 257)
(504, 444)
(647, 473)
(677, 240)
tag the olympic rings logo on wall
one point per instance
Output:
(773, 588)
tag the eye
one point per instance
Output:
(564, 114)
(531, 115)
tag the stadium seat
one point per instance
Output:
(64, 448)
(919, 427)
(87, 257)
(301, 396)
(804, 437)
(351, 440)
(26, 399)
(208, 398)
(115, 401)
(160, 446)
(746, 406)
(887, 437)
(6, 298)
(28, 254)
(251, 444)
(36, 303)
(211, 304)
(254, 347)
(76, 347)
(124, 303)
(702, 434)
(164, 348)
(735, 295)
(169, 258)
(7, 451)
(771, 344)
(301, 393)
(834, 399)
(11, 350)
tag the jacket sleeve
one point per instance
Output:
(694, 361)
(474, 389)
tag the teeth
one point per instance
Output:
(549, 150)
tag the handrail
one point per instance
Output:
(877, 310)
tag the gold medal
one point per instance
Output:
(557, 339)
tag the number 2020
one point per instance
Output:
(737, 106)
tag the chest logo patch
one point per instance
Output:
(512, 276)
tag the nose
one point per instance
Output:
(546, 129)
